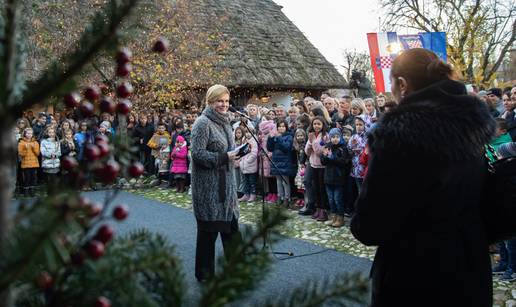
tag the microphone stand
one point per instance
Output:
(261, 150)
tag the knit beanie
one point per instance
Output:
(163, 141)
(348, 128)
(335, 132)
(180, 139)
(360, 117)
(507, 150)
(105, 124)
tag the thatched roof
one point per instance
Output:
(267, 49)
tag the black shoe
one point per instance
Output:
(305, 211)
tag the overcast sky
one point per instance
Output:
(334, 25)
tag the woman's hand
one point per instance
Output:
(232, 156)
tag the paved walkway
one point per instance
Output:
(306, 229)
(164, 212)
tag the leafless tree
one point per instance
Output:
(356, 60)
(479, 32)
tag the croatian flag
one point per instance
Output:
(383, 48)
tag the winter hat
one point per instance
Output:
(180, 139)
(335, 132)
(267, 126)
(348, 128)
(507, 150)
(105, 124)
(163, 141)
(495, 91)
(360, 117)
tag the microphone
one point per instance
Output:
(232, 109)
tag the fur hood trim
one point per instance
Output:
(440, 121)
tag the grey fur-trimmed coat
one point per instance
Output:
(421, 201)
(214, 192)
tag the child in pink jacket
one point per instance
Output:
(249, 169)
(179, 169)
(317, 139)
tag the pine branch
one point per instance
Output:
(99, 34)
(343, 290)
(139, 269)
(27, 242)
(245, 264)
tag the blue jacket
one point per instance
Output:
(283, 155)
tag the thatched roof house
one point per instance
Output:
(268, 52)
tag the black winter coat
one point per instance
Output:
(338, 165)
(145, 133)
(420, 201)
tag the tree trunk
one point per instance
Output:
(7, 184)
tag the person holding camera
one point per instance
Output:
(360, 85)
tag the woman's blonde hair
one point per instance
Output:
(359, 104)
(215, 92)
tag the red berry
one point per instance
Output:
(104, 234)
(92, 152)
(101, 139)
(92, 93)
(121, 212)
(108, 172)
(72, 100)
(161, 45)
(123, 70)
(124, 107)
(103, 148)
(136, 169)
(94, 209)
(102, 302)
(123, 56)
(69, 163)
(86, 109)
(45, 281)
(95, 249)
(124, 90)
(84, 202)
(107, 105)
(78, 258)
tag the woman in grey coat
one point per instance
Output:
(214, 191)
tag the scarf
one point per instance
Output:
(223, 121)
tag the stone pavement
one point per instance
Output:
(305, 228)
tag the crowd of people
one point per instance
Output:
(311, 156)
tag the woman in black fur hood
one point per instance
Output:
(420, 201)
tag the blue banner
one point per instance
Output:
(435, 41)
